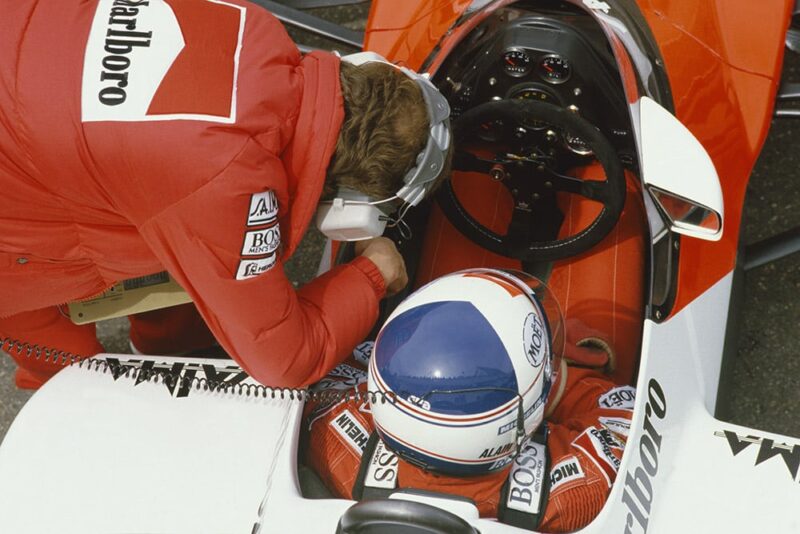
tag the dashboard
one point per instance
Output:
(560, 57)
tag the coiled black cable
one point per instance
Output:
(173, 379)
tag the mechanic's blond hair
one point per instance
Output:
(385, 127)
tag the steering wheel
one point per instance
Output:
(533, 181)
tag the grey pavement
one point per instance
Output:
(765, 392)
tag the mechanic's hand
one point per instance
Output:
(384, 254)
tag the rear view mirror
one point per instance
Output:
(679, 174)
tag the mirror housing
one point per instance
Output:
(679, 174)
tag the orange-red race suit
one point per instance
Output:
(138, 136)
(585, 437)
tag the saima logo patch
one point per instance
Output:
(151, 60)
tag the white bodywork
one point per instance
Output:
(93, 455)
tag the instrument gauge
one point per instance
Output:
(516, 63)
(554, 69)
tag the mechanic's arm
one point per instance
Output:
(280, 336)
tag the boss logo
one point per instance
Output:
(534, 342)
(382, 468)
(526, 479)
(260, 242)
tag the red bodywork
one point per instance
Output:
(724, 94)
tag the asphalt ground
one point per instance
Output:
(764, 392)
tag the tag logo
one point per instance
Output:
(151, 60)
(263, 209)
(251, 268)
(564, 472)
(260, 242)
(534, 341)
(619, 398)
(354, 434)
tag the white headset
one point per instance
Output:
(353, 216)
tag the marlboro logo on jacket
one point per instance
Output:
(162, 60)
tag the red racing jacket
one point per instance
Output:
(556, 484)
(191, 136)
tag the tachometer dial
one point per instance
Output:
(516, 63)
(554, 69)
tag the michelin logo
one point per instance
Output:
(564, 472)
(354, 434)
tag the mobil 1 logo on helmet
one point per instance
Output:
(534, 339)
(149, 60)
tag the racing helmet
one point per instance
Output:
(466, 364)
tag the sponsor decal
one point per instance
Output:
(420, 402)
(321, 410)
(534, 340)
(598, 444)
(382, 468)
(525, 481)
(342, 377)
(638, 494)
(565, 471)
(767, 448)
(149, 60)
(597, 5)
(186, 374)
(146, 281)
(496, 451)
(263, 208)
(500, 463)
(354, 434)
(618, 425)
(261, 242)
(250, 268)
(363, 352)
(619, 398)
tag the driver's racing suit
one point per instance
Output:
(586, 433)
(138, 136)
